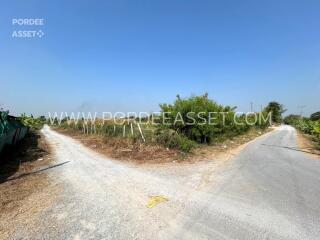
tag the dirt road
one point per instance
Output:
(266, 192)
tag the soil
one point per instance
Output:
(124, 149)
(23, 182)
(139, 153)
(307, 145)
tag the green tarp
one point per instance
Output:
(3, 129)
(11, 130)
(3, 122)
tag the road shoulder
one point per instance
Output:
(308, 146)
(25, 190)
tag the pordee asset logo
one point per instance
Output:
(27, 22)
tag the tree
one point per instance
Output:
(276, 109)
(291, 119)
(315, 116)
(191, 117)
(43, 118)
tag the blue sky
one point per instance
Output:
(133, 55)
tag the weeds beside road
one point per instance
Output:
(307, 126)
(121, 148)
(177, 132)
(22, 188)
(268, 189)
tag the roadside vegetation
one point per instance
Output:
(32, 122)
(186, 124)
(21, 161)
(309, 126)
(14, 133)
(20, 140)
(198, 120)
(22, 182)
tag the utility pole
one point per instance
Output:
(301, 109)
(251, 104)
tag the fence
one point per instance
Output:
(143, 132)
(11, 130)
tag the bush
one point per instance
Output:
(172, 139)
(291, 119)
(202, 120)
(187, 117)
(31, 122)
(315, 116)
(276, 109)
(305, 125)
(316, 130)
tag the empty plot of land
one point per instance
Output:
(267, 191)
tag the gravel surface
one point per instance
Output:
(268, 191)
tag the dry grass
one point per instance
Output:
(31, 152)
(125, 149)
(306, 143)
(23, 196)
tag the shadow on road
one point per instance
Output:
(30, 149)
(36, 171)
(291, 148)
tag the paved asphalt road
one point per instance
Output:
(269, 191)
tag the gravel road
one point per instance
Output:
(268, 191)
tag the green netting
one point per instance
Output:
(3, 123)
(11, 130)
(3, 129)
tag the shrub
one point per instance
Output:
(315, 116)
(188, 117)
(31, 122)
(316, 129)
(172, 139)
(276, 109)
(202, 120)
(305, 125)
(291, 119)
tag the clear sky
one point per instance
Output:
(132, 55)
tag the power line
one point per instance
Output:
(301, 109)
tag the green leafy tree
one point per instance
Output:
(191, 117)
(315, 116)
(291, 119)
(276, 109)
(31, 122)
